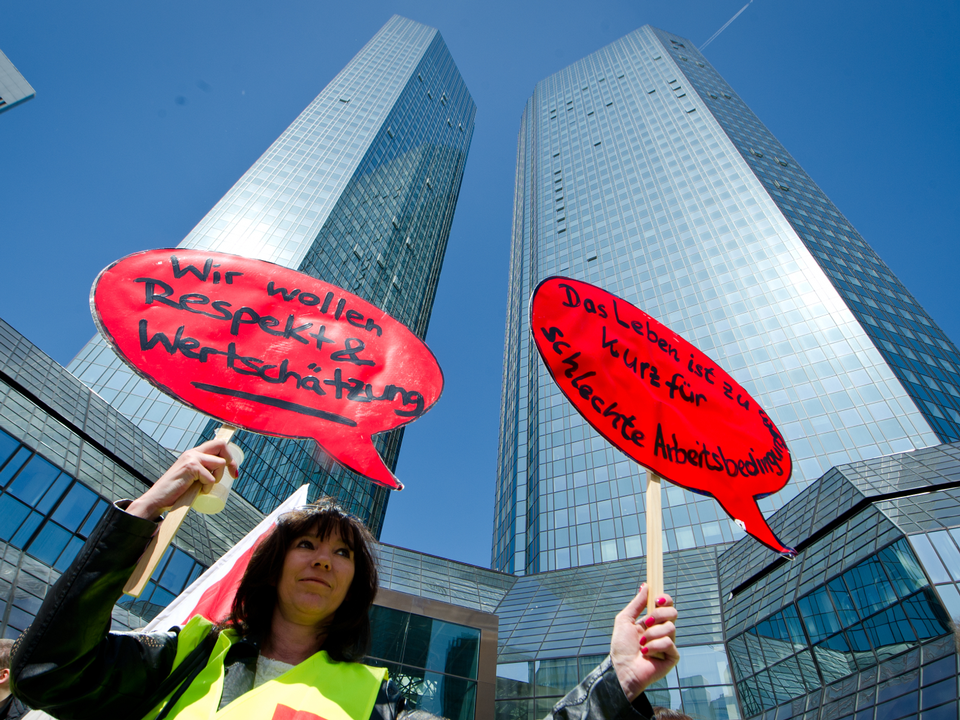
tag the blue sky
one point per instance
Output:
(147, 113)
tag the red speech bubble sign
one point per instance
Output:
(660, 400)
(268, 349)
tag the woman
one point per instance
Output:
(290, 648)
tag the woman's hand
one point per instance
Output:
(643, 651)
(205, 463)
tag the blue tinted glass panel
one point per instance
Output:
(818, 615)
(48, 545)
(195, 573)
(926, 615)
(388, 630)
(53, 495)
(739, 657)
(513, 680)
(794, 626)
(843, 602)
(808, 671)
(455, 649)
(162, 565)
(948, 552)
(860, 645)
(416, 647)
(889, 632)
(14, 464)
(515, 710)
(938, 694)
(703, 665)
(74, 507)
(928, 556)
(765, 690)
(902, 567)
(752, 641)
(34, 480)
(12, 514)
(835, 658)
(29, 526)
(176, 572)
(94, 518)
(750, 697)
(774, 639)
(161, 597)
(553, 677)
(68, 554)
(7, 447)
(787, 681)
(869, 587)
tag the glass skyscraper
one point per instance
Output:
(360, 191)
(641, 170)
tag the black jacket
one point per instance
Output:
(70, 665)
(12, 709)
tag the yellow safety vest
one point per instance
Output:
(316, 689)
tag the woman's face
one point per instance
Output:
(316, 576)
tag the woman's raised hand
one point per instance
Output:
(643, 650)
(205, 463)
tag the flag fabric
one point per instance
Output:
(211, 595)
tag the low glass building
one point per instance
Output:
(862, 624)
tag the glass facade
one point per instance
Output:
(359, 191)
(640, 170)
(434, 663)
(863, 623)
(555, 628)
(14, 88)
(64, 454)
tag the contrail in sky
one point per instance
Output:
(725, 26)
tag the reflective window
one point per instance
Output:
(818, 614)
(433, 662)
(703, 665)
(878, 609)
(42, 508)
(835, 658)
(49, 515)
(902, 567)
(869, 587)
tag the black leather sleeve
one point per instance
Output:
(600, 697)
(67, 663)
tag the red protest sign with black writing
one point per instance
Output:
(660, 400)
(268, 349)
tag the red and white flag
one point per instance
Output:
(211, 595)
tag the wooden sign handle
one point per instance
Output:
(168, 528)
(654, 541)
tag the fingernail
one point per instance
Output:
(661, 601)
(649, 622)
(643, 639)
(644, 650)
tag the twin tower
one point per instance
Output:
(640, 170)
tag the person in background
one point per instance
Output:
(10, 707)
(662, 713)
(293, 643)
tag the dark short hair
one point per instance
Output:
(6, 644)
(348, 634)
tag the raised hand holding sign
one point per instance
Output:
(661, 401)
(268, 349)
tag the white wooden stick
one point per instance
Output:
(654, 541)
(168, 528)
